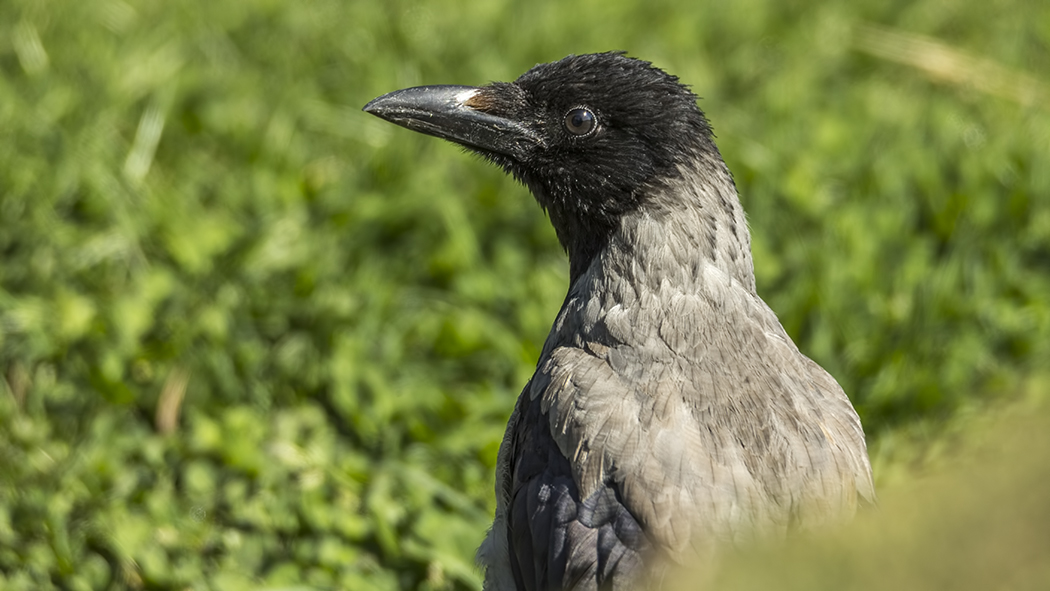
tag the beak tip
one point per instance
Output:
(372, 107)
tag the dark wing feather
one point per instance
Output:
(557, 539)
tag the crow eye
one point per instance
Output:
(580, 121)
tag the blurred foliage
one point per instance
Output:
(253, 338)
(977, 520)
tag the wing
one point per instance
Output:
(669, 425)
(558, 539)
(710, 428)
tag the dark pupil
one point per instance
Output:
(579, 121)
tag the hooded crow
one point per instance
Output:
(670, 414)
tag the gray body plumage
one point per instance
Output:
(667, 379)
(670, 413)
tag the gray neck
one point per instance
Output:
(690, 239)
(692, 221)
(695, 220)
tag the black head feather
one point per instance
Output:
(640, 127)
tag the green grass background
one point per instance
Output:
(251, 337)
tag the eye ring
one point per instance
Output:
(580, 121)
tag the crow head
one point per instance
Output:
(592, 136)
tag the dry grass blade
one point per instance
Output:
(170, 403)
(946, 64)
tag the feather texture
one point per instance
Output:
(670, 414)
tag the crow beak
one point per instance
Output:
(446, 112)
